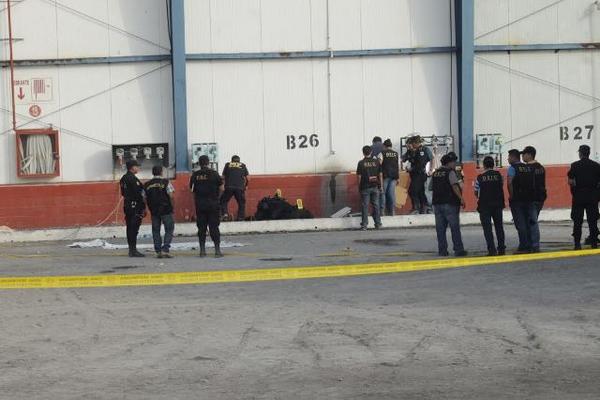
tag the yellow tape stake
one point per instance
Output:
(273, 274)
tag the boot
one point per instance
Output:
(218, 253)
(202, 249)
(135, 254)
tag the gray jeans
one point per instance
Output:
(370, 196)
(169, 222)
(448, 215)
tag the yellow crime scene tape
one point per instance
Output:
(272, 274)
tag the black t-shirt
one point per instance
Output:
(132, 191)
(389, 165)
(235, 174)
(369, 169)
(491, 190)
(205, 184)
(586, 174)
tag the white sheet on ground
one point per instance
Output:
(103, 244)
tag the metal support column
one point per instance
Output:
(178, 65)
(465, 59)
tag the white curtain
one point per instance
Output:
(37, 156)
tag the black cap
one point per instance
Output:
(203, 160)
(529, 150)
(387, 143)
(132, 163)
(453, 156)
(585, 150)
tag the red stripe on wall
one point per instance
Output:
(90, 204)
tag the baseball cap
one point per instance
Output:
(387, 143)
(529, 150)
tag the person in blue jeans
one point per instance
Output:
(391, 173)
(447, 200)
(159, 196)
(524, 202)
(370, 179)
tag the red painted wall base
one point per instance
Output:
(98, 203)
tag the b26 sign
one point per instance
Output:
(302, 141)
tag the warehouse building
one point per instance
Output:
(295, 87)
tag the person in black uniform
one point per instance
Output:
(529, 154)
(524, 203)
(418, 156)
(584, 179)
(391, 174)
(447, 200)
(134, 208)
(235, 175)
(206, 185)
(489, 189)
(369, 184)
(159, 196)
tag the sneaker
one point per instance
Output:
(362, 228)
(136, 254)
(577, 247)
(492, 253)
(501, 252)
(463, 253)
(443, 254)
(378, 227)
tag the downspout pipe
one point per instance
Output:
(12, 66)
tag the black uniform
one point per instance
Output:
(418, 177)
(446, 206)
(132, 191)
(525, 205)
(491, 202)
(586, 175)
(235, 174)
(205, 184)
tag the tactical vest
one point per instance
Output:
(442, 189)
(390, 164)
(523, 183)
(491, 191)
(157, 196)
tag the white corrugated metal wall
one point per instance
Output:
(93, 106)
(250, 106)
(529, 96)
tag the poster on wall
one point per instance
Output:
(205, 149)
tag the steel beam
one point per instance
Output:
(89, 60)
(178, 67)
(538, 47)
(318, 54)
(466, 92)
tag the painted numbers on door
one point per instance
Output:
(302, 141)
(576, 133)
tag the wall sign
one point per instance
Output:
(302, 141)
(576, 133)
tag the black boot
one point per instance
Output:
(218, 253)
(202, 249)
(135, 254)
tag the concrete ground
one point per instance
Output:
(509, 331)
